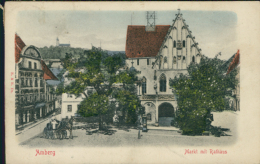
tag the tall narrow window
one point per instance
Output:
(174, 44)
(137, 61)
(35, 83)
(149, 116)
(174, 60)
(144, 85)
(35, 66)
(69, 108)
(163, 83)
(183, 43)
(165, 59)
(148, 62)
(30, 64)
(22, 82)
(193, 59)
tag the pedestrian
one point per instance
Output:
(139, 122)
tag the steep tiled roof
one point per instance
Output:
(19, 45)
(234, 63)
(141, 43)
(48, 75)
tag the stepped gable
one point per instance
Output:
(19, 45)
(48, 75)
(141, 43)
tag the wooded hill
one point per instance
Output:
(54, 52)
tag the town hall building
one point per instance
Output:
(160, 52)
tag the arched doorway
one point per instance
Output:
(166, 114)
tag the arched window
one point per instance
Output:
(149, 116)
(165, 59)
(163, 83)
(144, 85)
(183, 43)
(193, 59)
(174, 60)
(174, 44)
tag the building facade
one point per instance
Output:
(70, 105)
(34, 99)
(160, 53)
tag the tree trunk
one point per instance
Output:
(100, 122)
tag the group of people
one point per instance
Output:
(54, 122)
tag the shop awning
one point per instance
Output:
(40, 105)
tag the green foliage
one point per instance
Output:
(94, 105)
(129, 102)
(54, 52)
(98, 69)
(204, 89)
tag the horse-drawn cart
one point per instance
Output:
(58, 129)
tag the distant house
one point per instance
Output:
(70, 105)
(54, 63)
(61, 45)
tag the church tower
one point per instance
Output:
(57, 42)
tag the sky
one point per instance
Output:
(215, 31)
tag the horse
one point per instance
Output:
(64, 125)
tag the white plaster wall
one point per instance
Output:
(69, 101)
(25, 63)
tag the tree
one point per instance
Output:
(97, 69)
(203, 90)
